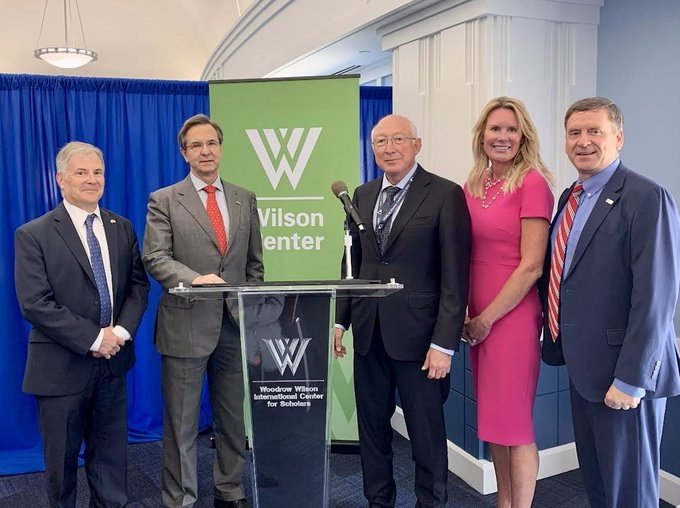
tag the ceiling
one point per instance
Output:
(153, 39)
(353, 54)
(159, 39)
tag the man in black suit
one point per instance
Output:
(418, 232)
(81, 284)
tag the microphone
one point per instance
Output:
(339, 188)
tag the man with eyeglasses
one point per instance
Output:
(419, 234)
(81, 284)
(198, 231)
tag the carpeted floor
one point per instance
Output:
(27, 491)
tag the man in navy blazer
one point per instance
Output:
(616, 301)
(405, 341)
(78, 353)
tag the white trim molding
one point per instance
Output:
(669, 488)
(479, 474)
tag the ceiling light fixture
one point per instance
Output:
(67, 56)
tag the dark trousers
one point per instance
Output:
(97, 415)
(376, 377)
(182, 388)
(618, 451)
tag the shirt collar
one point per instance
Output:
(78, 215)
(199, 184)
(402, 183)
(596, 182)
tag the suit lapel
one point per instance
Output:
(188, 197)
(66, 229)
(234, 206)
(366, 207)
(605, 203)
(111, 230)
(414, 198)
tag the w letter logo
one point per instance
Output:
(287, 352)
(284, 151)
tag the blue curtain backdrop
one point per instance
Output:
(135, 123)
(374, 103)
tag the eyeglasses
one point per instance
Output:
(197, 145)
(397, 140)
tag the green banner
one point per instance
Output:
(288, 140)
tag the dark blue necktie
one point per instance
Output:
(384, 217)
(99, 274)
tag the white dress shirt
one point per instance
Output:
(78, 217)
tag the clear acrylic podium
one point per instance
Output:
(286, 337)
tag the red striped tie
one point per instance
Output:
(557, 260)
(216, 218)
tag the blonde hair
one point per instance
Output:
(528, 156)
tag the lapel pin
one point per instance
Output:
(609, 201)
(112, 221)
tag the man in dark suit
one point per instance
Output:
(201, 230)
(81, 284)
(610, 297)
(418, 232)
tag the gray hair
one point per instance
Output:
(593, 104)
(75, 147)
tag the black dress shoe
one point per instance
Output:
(236, 503)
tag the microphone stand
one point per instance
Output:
(348, 251)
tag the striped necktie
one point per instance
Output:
(557, 260)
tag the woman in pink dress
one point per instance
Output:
(510, 201)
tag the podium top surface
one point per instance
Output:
(344, 287)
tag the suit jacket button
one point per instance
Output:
(383, 263)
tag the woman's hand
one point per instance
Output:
(477, 330)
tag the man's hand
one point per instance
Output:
(437, 363)
(209, 278)
(110, 345)
(338, 349)
(616, 399)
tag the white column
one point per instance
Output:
(450, 58)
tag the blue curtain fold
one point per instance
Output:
(135, 123)
(374, 103)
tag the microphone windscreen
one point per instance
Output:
(338, 187)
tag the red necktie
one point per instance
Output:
(216, 218)
(557, 260)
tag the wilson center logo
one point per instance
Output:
(284, 151)
(287, 352)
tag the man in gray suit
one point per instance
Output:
(198, 231)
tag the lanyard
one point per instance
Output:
(384, 216)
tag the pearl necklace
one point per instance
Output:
(488, 184)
